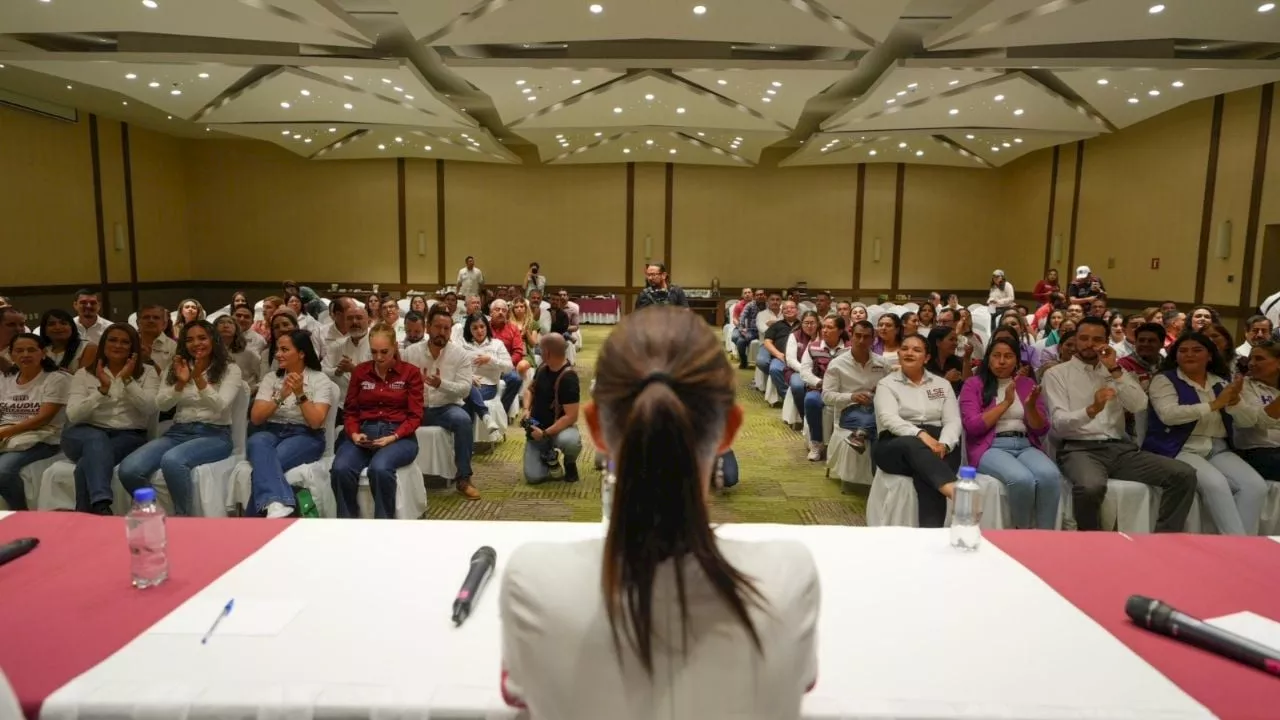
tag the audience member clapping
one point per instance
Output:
(491, 362)
(944, 362)
(342, 357)
(32, 397)
(1257, 416)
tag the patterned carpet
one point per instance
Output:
(777, 484)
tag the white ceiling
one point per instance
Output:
(721, 86)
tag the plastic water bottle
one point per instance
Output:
(607, 483)
(149, 563)
(966, 511)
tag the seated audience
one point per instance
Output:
(942, 343)
(775, 348)
(391, 318)
(189, 311)
(947, 317)
(157, 347)
(529, 335)
(89, 325)
(335, 330)
(1202, 316)
(1118, 339)
(1144, 363)
(910, 324)
(797, 346)
(373, 306)
(314, 305)
(849, 386)
(1085, 288)
(342, 357)
(888, 337)
(12, 324)
(735, 312)
(1028, 354)
(1257, 416)
(33, 394)
(857, 313)
(1258, 331)
(1098, 309)
(290, 411)
(243, 316)
(829, 345)
(450, 301)
(552, 400)
(68, 350)
(263, 327)
(447, 373)
(202, 385)
(665, 411)
(232, 340)
(415, 329)
(919, 425)
(1048, 287)
(239, 299)
(381, 414)
(283, 323)
(491, 362)
(926, 319)
(1057, 303)
(964, 329)
(658, 290)
(1000, 296)
(1190, 399)
(1005, 420)
(845, 310)
(1153, 315)
(1049, 334)
(746, 329)
(765, 318)
(1060, 353)
(512, 339)
(1174, 324)
(1087, 397)
(1168, 307)
(305, 321)
(822, 304)
(1221, 338)
(418, 304)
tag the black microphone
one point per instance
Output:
(16, 549)
(1159, 617)
(477, 577)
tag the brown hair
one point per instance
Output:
(663, 392)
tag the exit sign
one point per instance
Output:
(1155, 263)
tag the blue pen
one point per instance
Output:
(225, 612)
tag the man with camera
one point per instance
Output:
(657, 291)
(549, 425)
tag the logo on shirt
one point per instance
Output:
(397, 385)
(936, 393)
(367, 385)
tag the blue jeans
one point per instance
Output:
(11, 464)
(182, 449)
(352, 459)
(456, 420)
(742, 341)
(96, 452)
(776, 369)
(274, 451)
(813, 414)
(762, 359)
(568, 441)
(512, 389)
(1230, 489)
(796, 386)
(1032, 481)
(474, 404)
(729, 468)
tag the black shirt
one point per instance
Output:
(779, 333)
(673, 295)
(559, 321)
(544, 383)
(952, 363)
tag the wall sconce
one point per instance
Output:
(648, 248)
(1056, 246)
(422, 243)
(1224, 240)
(119, 235)
(875, 249)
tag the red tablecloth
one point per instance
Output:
(69, 604)
(605, 306)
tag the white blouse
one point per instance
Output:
(19, 403)
(316, 386)
(74, 365)
(126, 406)
(1209, 425)
(902, 407)
(500, 361)
(552, 606)
(1254, 428)
(1014, 417)
(211, 405)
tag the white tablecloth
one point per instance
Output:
(909, 628)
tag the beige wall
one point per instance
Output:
(421, 218)
(950, 235)
(1064, 204)
(650, 217)
(161, 206)
(877, 225)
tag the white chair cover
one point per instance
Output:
(224, 310)
(828, 424)
(242, 476)
(770, 390)
(790, 413)
(435, 453)
(498, 412)
(32, 478)
(848, 466)
(1198, 519)
(981, 320)
(212, 496)
(910, 307)
(1129, 507)
(892, 501)
(1270, 524)
(411, 492)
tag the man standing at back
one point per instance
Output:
(657, 290)
(1087, 397)
(1085, 288)
(470, 280)
(447, 374)
(88, 323)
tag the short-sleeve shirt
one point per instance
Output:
(469, 282)
(19, 403)
(544, 383)
(316, 386)
(779, 333)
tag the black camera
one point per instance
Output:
(548, 455)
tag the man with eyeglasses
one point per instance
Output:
(657, 289)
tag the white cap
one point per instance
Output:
(1082, 272)
(999, 273)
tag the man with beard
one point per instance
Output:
(657, 291)
(512, 338)
(415, 330)
(447, 374)
(342, 356)
(746, 330)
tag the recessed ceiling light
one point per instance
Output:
(968, 137)
(153, 84)
(307, 140)
(672, 151)
(130, 76)
(626, 150)
(333, 129)
(901, 93)
(284, 132)
(382, 147)
(68, 87)
(519, 82)
(1017, 140)
(722, 82)
(427, 148)
(599, 134)
(1133, 101)
(150, 4)
(649, 96)
(284, 105)
(1155, 9)
(775, 83)
(168, 117)
(410, 97)
(919, 153)
(175, 91)
(399, 139)
(596, 9)
(890, 101)
(999, 98)
(1177, 83)
(203, 76)
(766, 99)
(872, 153)
(1153, 93)
(1005, 145)
(995, 148)
(913, 86)
(1019, 111)
(737, 139)
(699, 9)
(398, 89)
(305, 93)
(1103, 81)
(298, 136)
(531, 98)
(953, 111)
(526, 91)
(617, 111)
(124, 102)
(902, 144)
(347, 106)
(679, 111)
(386, 81)
(1266, 7)
(648, 142)
(702, 134)
(347, 77)
(559, 136)
(576, 81)
(954, 82)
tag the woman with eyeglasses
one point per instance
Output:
(33, 394)
(1257, 426)
(691, 625)
(201, 386)
(810, 324)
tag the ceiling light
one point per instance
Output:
(1266, 7)
(953, 111)
(347, 106)
(559, 136)
(398, 89)
(307, 140)
(913, 86)
(1133, 101)
(1153, 93)
(775, 83)
(68, 87)
(901, 93)
(679, 111)
(1155, 9)
(526, 91)
(672, 151)
(596, 9)
(153, 84)
(890, 101)
(347, 77)
(919, 153)
(599, 134)
(387, 81)
(1005, 145)
(427, 148)
(1, 67)
(519, 82)
(203, 76)
(968, 137)
(737, 139)
(1177, 83)
(771, 92)
(124, 102)
(954, 82)
(699, 9)
(700, 134)
(626, 150)
(298, 136)
(649, 96)
(1103, 81)
(872, 153)
(995, 148)
(902, 144)
(617, 111)
(531, 98)
(399, 139)
(382, 147)
(1019, 111)
(576, 81)
(168, 117)
(305, 93)
(284, 132)
(1017, 140)
(648, 142)
(150, 4)
(722, 82)
(766, 99)
(130, 76)
(333, 129)
(999, 98)
(284, 105)
(171, 92)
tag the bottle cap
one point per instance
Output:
(968, 473)
(144, 495)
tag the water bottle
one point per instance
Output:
(149, 563)
(607, 483)
(306, 504)
(967, 511)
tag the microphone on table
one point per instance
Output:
(13, 550)
(477, 577)
(1160, 617)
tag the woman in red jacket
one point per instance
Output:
(1046, 287)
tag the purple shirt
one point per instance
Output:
(978, 437)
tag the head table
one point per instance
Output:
(351, 618)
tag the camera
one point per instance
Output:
(548, 454)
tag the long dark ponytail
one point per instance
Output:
(663, 391)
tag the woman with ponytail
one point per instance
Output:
(662, 618)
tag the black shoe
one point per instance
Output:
(102, 507)
(571, 472)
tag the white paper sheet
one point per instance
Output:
(249, 616)
(1251, 625)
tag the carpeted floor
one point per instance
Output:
(777, 484)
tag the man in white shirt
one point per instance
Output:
(343, 356)
(415, 330)
(88, 323)
(253, 342)
(470, 279)
(849, 387)
(447, 373)
(771, 314)
(1087, 397)
(12, 324)
(156, 346)
(1258, 330)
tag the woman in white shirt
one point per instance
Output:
(919, 423)
(305, 321)
(32, 396)
(1000, 296)
(189, 311)
(1118, 340)
(112, 404)
(202, 384)
(662, 618)
(68, 350)
(283, 322)
(925, 319)
(888, 337)
(1191, 404)
(291, 408)
(490, 360)
(249, 362)
(1257, 416)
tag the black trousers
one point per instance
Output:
(909, 456)
(1265, 460)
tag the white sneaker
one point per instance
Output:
(815, 451)
(277, 510)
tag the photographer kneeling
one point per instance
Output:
(552, 402)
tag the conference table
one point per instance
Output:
(350, 618)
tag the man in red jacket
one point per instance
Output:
(510, 336)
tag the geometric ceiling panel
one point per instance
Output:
(288, 95)
(1001, 147)
(402, 84)
(425, 18)
(1129, 96)
(873, 18)
(1012, 101)
(288, 21)
(742, 21)
(916, 147)
(384, 142)
(305, 139)
(744, 143)
(517, 92)
(648, 99)
(180, 89)
(552, 142)
(1003, 23)
(900, 85)
(778, 94)
(655, 145)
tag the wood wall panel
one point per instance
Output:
(161, 206)
(421, 217)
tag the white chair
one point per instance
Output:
(435, 453)
(728, 326)
(411, 491)
(499, 413)
(1128, 507)
(770, 390)
(759, 380)
(892, 501)
(850, 467)
(828, 424)
(1270, 524)
(242, 476)
(211, 482)
(790, 413)
(32, 477)
(58, 484)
